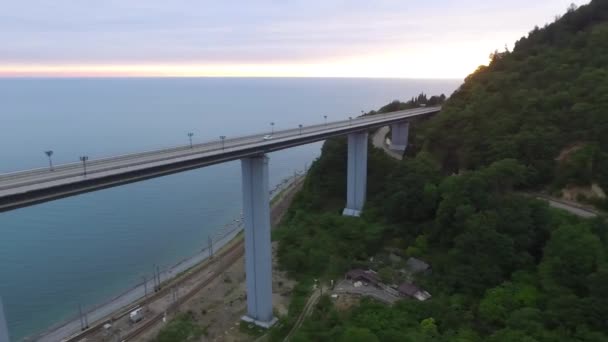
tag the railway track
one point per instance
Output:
(227, 257)
(237, 253)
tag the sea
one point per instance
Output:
(86, 249)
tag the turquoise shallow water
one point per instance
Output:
(88, 248)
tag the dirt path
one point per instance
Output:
(310, 304)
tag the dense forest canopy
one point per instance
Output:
(549, 93)
(506, 267)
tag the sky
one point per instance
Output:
(262, 38)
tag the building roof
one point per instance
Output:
(416, 265)
(365, 275)
(411, 290)
(408, 289)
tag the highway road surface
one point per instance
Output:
(572, 208)
(24, 188)
(379, 141)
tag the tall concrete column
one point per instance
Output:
(258, 254)
(356, 179)
(3, 325)
(399, 136)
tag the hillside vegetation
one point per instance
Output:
(549, 93)
(505, 267)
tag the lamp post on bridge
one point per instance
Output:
(49, 153)
(272, 128)
(190, 134)
(84, 159)
(222, 138)
(300, 125)
(325, 116)
(350, 120)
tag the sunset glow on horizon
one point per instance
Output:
(194, 70)
(436, 39)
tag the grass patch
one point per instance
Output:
(180, 329)
(251, 329)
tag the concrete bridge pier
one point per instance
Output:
(399, 136)
(3, 326)
(356, 179)
(258, 254)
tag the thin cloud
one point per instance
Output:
(118, 32)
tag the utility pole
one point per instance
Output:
(3, 325)
(49, 153)
(145, 287)
(210, 241)
(174, 295)
(156, 285)
(81, 318)
(158, 274)
(86, 320)
(84, 159)
(190, 134)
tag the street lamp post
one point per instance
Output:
(325, 116)
(222, 138)
(350, 120)
(272, 128)
(84, 159)
(300, 125)
(49, 153)
(190, 137)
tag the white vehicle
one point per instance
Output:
(267, 137)
(136, 315)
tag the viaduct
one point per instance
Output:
(29, 187)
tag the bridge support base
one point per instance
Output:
(258, 254)
(356, 179)
(399, 136)
(265, 325)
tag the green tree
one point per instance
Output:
(352, 334)
(572, 255)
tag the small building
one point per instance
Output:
(415, 266)
(410, 290)
(365, 276)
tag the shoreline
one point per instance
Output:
(226, 236)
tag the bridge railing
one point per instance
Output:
(158, 155)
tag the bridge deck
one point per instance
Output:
(24, 188)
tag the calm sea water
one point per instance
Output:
(88, 248)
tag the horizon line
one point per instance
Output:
(216, 76)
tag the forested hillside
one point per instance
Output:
(506, 267)
(548, 94)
